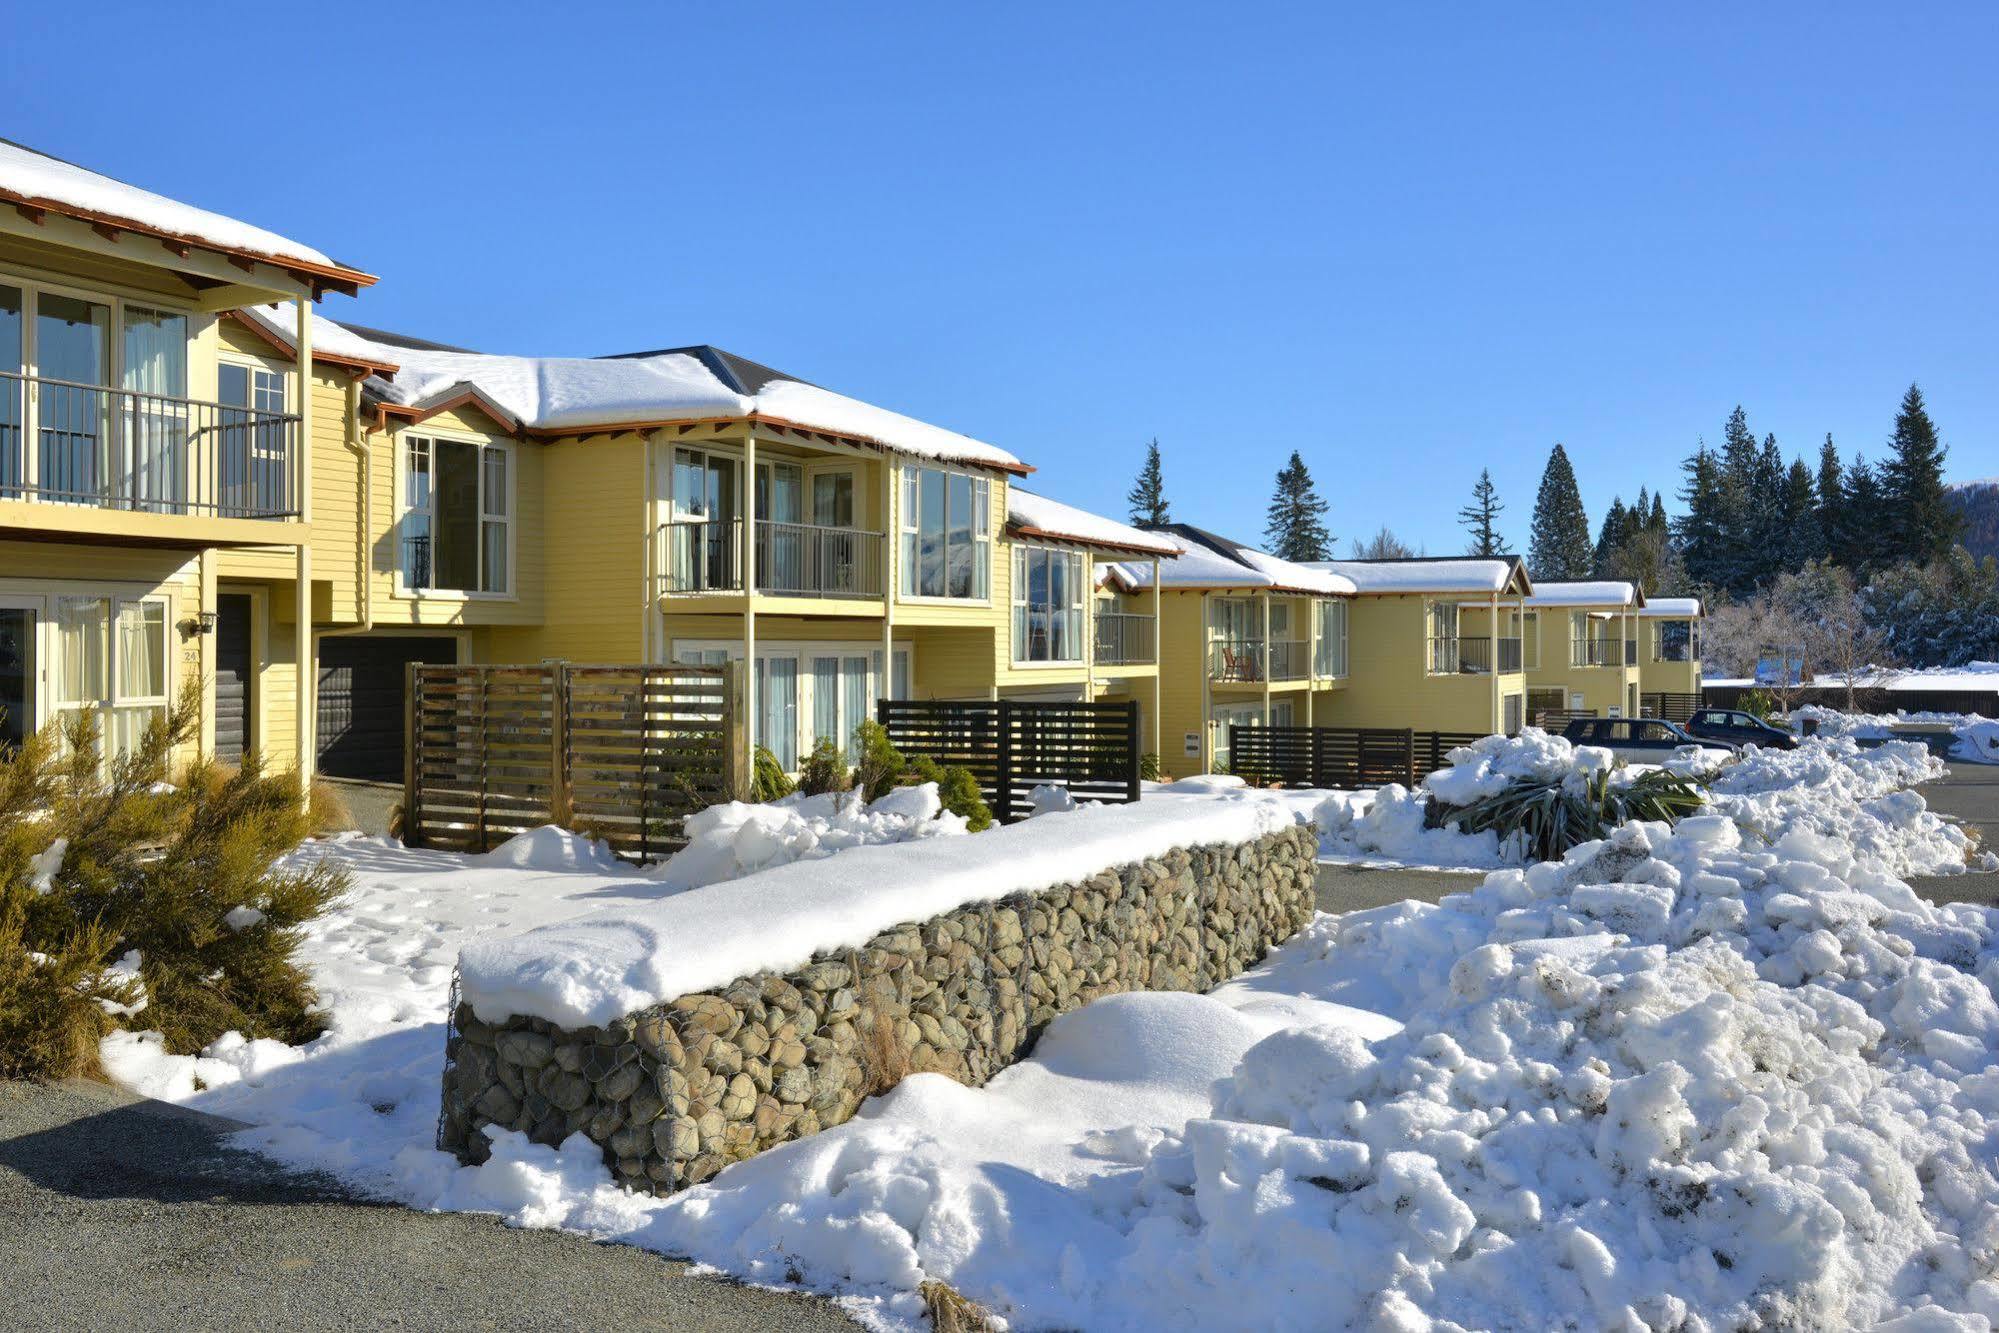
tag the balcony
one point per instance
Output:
(1473, 657)
(1252, 661)
(792, 559)
(1598, 653)
(91, 447)
(1125, 639)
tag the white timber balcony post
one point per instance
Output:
(1264, 597)
(1158, 726)
(1492, 648)
(1311, 657)
(891, 570)
(746, 501)
(304, 667)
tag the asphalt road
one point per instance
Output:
(117, 1212)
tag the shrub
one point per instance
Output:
(100, 861)
(959, 792)
(1758, 702)
(1550, 816)
(881, 765)
(1149, 767)
(825, 769)
(767, 779)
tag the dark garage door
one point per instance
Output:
(234, 666)
(361, 702)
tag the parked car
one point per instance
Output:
(1636, 740)
(1734, 727)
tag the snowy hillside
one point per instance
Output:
(1978, 501)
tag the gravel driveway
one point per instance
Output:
(116, 1212)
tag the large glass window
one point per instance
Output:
(73, 346)
(833, 499)
(946, 534)
(13, 409)
(456, 515)
(252, 465)
(1674, 641)
(1047, 605)
(777, 708)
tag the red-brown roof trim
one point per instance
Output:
(350, 363)
(1044, 534)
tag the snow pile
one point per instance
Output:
(737, 838)
(1977, 737)
(1833, 789)
(1489, 766)
(1676, 1079)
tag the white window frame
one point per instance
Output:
(1530, 641)
(404, 588)
(908, 526)
(1322, 610)
(48, 647)
(1078, 604)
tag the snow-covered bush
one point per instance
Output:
(736, 838)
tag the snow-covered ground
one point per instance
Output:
(1727, 1074)
(1977, 737)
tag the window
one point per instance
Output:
(946, 534)
(1530, 641)
(833, 499)
(111, 659)
(777, 708)
(1047, 605)
(842, 698)
(457, 522)
(1331, 650)
(1673, 641)
(252, 466)
(1443, 617)
(1579, 638)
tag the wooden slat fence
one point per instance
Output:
(625, 753)
(1012, 747)
(1346, 758)
(1671, 707)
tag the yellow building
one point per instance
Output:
(1245, 638)
(159, 489)
(1669, 654)
(1435, 644)
(1581, 647)
(690, 505)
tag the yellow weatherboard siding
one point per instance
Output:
(1389, 683)
(1599, 688)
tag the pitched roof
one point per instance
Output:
(1207, 560)
(1031, 515)
(1587, 592)
(577, 395)
(35, 181)
(1432, 573)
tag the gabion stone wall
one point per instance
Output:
(676, 1092)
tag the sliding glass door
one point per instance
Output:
(73, 417)
(20, 668)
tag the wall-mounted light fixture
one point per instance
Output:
(200, 623)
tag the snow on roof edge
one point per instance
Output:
(1037, 515)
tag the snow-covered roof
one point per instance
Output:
(1972, 676)
(35, 180)
(1209, 561)
(1425, 574)
(1038, 516)
(1676, 608)
(556, 395)
(1593, 592)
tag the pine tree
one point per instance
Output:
(1699, 528)
(1655, 522)
(1147, 497)
(1296, 528)
(1481, 516)
(1560, 546)
(1737, 561)
(1769, 519)
(1610, 538)
(1832, 504)
(1804, 541)
(1861, 503)
(1920, 523)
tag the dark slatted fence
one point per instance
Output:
(625, 753)
(1012, 747)
(1671, 707)
(1349, 758)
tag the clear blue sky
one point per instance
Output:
(1406, 241)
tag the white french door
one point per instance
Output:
(22, 667)
(109, 658)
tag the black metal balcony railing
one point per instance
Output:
(1472, 656)
(1249, 661)
(103, 448)
(1125, 638)
(1594, 652)
(792, 559)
